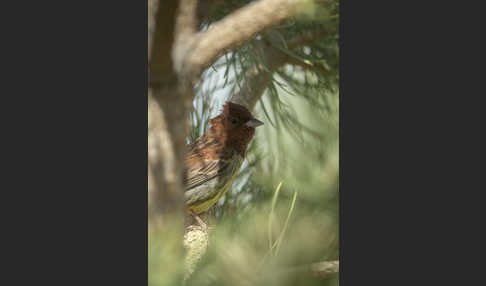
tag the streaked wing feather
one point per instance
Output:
(210, 169)
(203, 172)
(202, 168)
(213, 188)
(201, 193)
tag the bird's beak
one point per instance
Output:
(254, 123)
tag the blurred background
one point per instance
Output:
(281, 214)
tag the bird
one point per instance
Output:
(213, 160)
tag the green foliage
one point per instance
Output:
(239, 253)
(275, 245)
(165, 253)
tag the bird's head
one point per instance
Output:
(235, 125)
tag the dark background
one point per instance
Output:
(75, 142)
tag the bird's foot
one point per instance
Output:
(200, 221)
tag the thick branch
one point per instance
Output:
(165, 156)
(161, 36)
(236, 28)
(167, 113)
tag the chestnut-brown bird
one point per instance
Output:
(214, 159)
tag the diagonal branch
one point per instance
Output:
(257, 78)
(236, 28)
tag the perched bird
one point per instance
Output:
(214, 159)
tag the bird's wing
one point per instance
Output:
(206, 176)
(205, 160)
(201, 171)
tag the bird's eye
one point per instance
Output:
(234, 121)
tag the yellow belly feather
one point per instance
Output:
(204, 206)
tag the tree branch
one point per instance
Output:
(236, 28)
(257, 77)
(161, 36)
(165, 156)
(185, 31)
(325, 268)
(167, 113)
(321, 269)
(153, 5)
